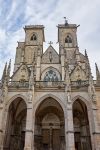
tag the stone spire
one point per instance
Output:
(4, 82)
(97, 72)
(91, 85)
(86, 54)
(8, 70)
(4, 73)
(87, 64)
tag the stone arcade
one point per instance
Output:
(51, 101)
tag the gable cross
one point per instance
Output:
(50, 43)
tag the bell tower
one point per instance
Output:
(67, 36)
(27, 51)
(34, 38)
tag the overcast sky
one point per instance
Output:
(15, 14)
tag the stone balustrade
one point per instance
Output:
(18, 84)
(79, 83)
(45, 84)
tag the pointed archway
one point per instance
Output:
(81, 126)
(49, 126)
(15, 126)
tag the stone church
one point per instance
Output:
(51, 101)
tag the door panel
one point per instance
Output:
(46, 139)
(56, 139)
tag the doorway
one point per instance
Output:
(49, 126)
(16, 124)
(81, 126)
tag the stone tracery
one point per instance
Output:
(51, 76)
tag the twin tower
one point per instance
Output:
(34, 37)
(51, 101)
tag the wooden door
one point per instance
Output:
(56, 139)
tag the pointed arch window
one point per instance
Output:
(68, 41)
(50, 76)
(34, 37)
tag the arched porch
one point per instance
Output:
(14, 138)
(82, 136)
(49, 126)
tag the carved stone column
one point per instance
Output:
(3, 126)
(29, 131)
(96, 131)
(3, 115)
(29, 122)
(69, 129)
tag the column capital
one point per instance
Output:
(27, 130)
(69, 131)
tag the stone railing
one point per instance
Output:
(60, 84)
(79, 83)
(18, 84)
(45, 84)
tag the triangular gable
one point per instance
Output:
(50, 56)
(22, 73)
(78, 74)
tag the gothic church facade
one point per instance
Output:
(51, 101)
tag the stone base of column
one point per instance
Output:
(71, 148)
(96, 141)
(1, 140)
(1, 147)
(27, 148)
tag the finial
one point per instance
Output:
(50, 43)
(9, 63)
(66, 21)
(97, 74)
(97, 70)
(96, 66)
(5, 68)
(86, 53)
(9, 68)
(4, 72)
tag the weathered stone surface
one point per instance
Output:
(60, 108)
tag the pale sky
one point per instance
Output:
(15, 14)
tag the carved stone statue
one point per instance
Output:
(30, 96)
